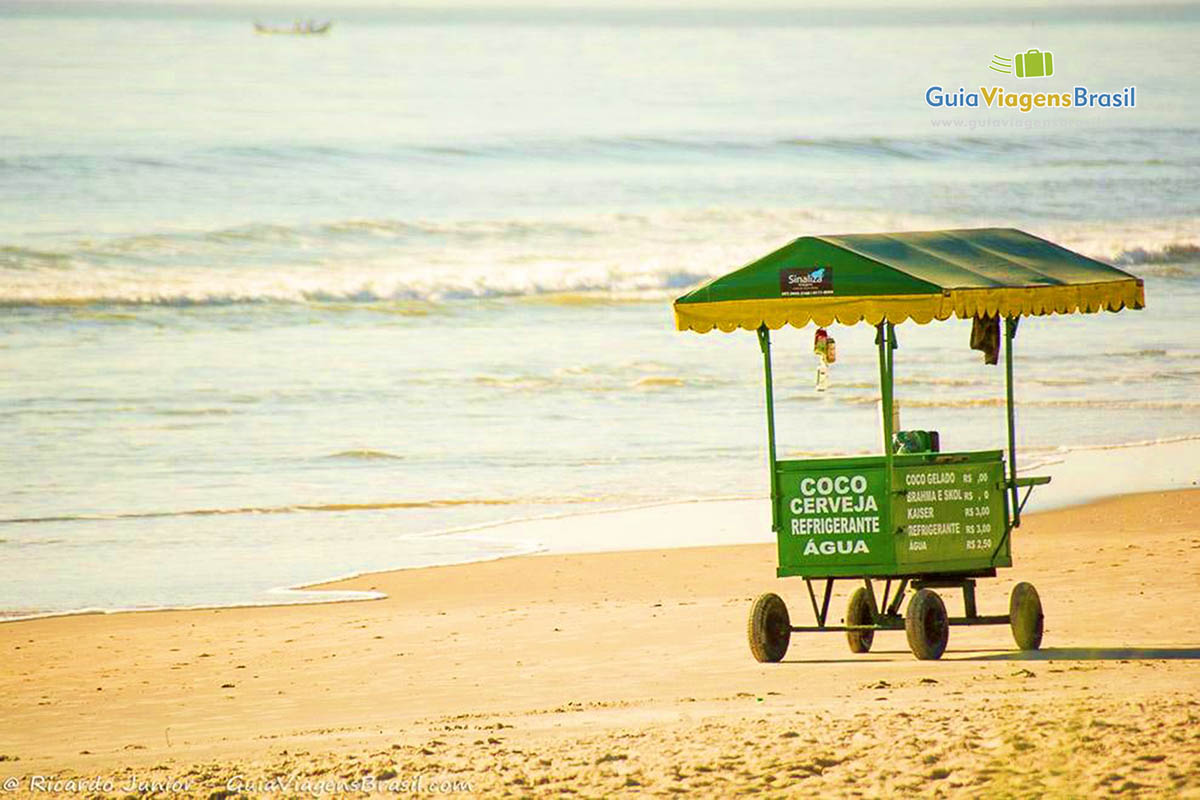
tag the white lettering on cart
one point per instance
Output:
(834, 505)
(929, 478)
(841, 485)
(833, 525)
(935, 529)
(830, 547)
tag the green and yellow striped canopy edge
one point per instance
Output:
(916, 275)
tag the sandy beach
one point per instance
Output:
(626, 673)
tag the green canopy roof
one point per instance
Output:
(918, 275)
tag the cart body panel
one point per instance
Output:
(941, 513)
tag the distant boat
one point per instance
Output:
(308, 28)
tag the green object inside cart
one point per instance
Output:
(915, 441)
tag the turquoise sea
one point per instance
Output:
(275, 309)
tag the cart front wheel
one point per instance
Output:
(859, 613)
(769, 629)
(1025, 616)
(927, 625)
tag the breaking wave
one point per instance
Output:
(999, 402)
(1156, 147)
(1167, 254)
(604, 257)
(398, 505)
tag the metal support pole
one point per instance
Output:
(968, 589)
(887, 343)
(764, 342)
(1010, 332)
(871, 599)
(897, 598)
(884, 340)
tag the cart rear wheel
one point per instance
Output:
(859, 613)
(927, 625)
(1025, 616)
(770, 628)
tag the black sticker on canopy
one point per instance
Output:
(803, 282)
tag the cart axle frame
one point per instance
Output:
(890, 618)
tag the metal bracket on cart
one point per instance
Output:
(1027, 484)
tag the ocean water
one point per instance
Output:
(278, 309)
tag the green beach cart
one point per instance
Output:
(919, 520)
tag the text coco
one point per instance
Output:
(842, 494)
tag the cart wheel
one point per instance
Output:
(1025, 616)
(859, 613)
(770, 629)
(927, 626)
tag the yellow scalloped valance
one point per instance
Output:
(921, 308)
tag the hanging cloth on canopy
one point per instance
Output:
(985, 337)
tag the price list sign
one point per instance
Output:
(951, 513)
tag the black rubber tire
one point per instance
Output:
(859, 613)
(769, 629)
(927, 625)
(1026, 617)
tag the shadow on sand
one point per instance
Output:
(1046, 654)
(1096, 654)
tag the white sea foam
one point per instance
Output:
(631, 257)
